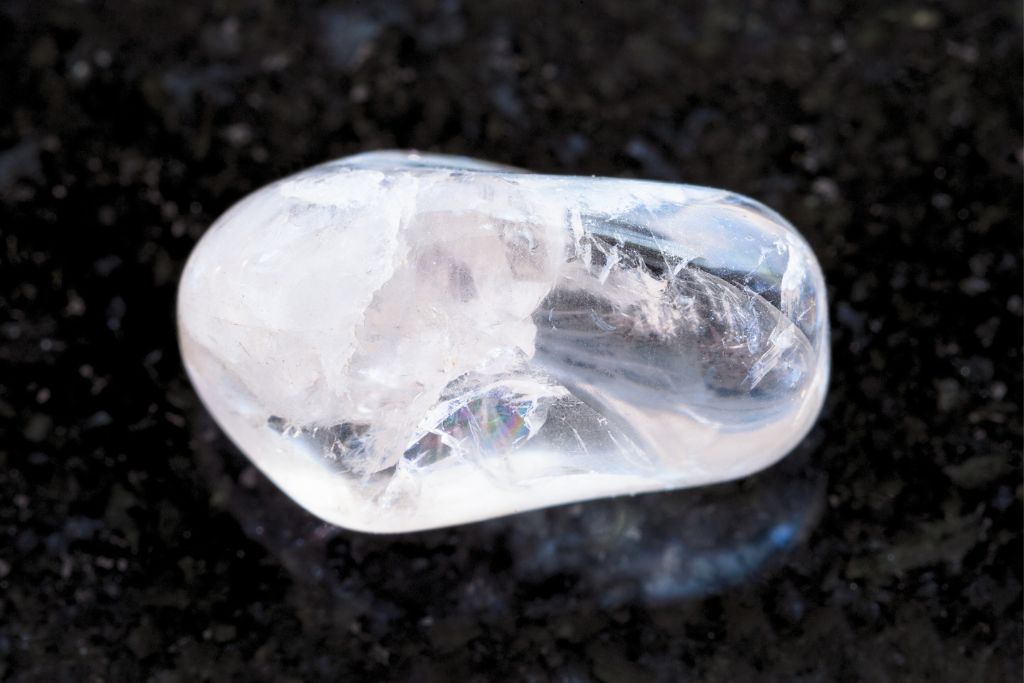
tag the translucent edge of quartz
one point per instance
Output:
(461, 495)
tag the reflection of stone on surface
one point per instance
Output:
(652, 549)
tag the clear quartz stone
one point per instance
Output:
(405, 341)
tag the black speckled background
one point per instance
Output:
(134, 545)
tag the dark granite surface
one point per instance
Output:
(135, 545)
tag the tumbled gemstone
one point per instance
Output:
(405, 341)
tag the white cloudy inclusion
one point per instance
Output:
(406, 341)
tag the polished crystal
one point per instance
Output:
(405, 341)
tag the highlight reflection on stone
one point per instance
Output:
(407, 341)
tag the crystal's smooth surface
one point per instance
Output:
(405, 341)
